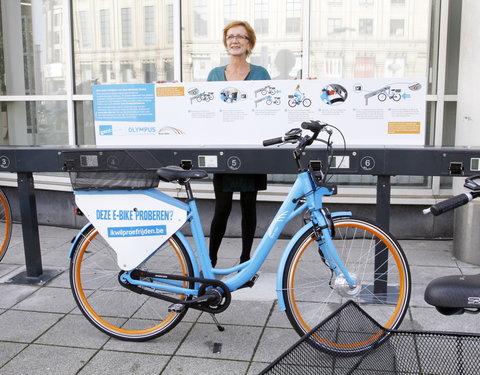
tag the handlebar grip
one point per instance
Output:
(314, 126)
(273, 141)
(450, 204)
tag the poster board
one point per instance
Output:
(368, 111)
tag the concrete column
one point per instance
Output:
(466, 245)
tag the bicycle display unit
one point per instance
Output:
(134, 274)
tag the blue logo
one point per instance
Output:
(105, 129)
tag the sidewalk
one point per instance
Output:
(42, 331)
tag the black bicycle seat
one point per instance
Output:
(175, 173)
(453, 294)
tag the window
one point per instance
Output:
(105, 28)
(127, 27)
(229, 11)
(200, 18)
(127, 73)
(107, 74)
(365, 26)
(149, 72)
(261, 16)
(85, 35)
(293, 17)
(334, 26)
(169, 23)
(333, 67)
(149, 25)
(397, 27)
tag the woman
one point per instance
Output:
(239, 40)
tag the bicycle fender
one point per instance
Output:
(179, 234)
(77, 238)
(288, 249)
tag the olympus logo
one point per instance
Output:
(474, 301)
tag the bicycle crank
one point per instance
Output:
(213, 295)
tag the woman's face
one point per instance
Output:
(237, 42)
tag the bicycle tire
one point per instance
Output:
(382, 97)
(5, 224)
(306, 102)
(309, 298)
(110, 307)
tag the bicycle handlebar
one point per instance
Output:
(449, 204)
(458, 200)
(273, 141)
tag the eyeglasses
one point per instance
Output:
(237, 37)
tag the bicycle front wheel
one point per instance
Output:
(109, 306)
(5, 224)
(373, 258)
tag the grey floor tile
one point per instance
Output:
(257, 367)
(274, 342)
(203, 366)
(40, 359)
(6, 269)
(8, 350)
(278, 318)
(237, 342)
(75, 331)
(166, 344)
(49, 299)
(108, 362)
(429, 319)
(424, 274)
(61, 281)
(11, 294)
(250, 313)
(25, 326)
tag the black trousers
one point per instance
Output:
(223, 207)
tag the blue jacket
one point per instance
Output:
(257, 73)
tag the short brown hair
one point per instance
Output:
(252, 38)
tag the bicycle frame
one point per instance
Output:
(304, 187)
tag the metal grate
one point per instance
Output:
(350, 342)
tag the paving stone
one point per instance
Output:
(41, 359)
(8, 350)
(237, 342)
(274, 342)
(251, 313)
(166, 344)
(25, 326)
(11, 294)
(108, 362)
(203, 366)
(58, 300)
(75, 331)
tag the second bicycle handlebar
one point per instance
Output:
(451, 203)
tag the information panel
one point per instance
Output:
(368, 111)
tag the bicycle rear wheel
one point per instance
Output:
(372, 257)
(113, 309)
(5, 224)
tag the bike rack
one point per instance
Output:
(376, 161)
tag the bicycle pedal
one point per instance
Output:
(176, 307)
(251, 282)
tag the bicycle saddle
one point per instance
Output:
(174, 173)
(453, 294)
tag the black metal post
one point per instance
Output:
(383, 220)
(28, 214)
